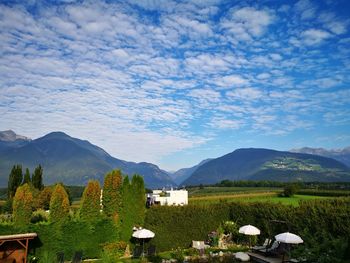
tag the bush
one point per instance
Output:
(39, 216)
(22, 205)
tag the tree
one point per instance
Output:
(133, 205)
(59, 204)
(111, 199)
(138, 190)
(90, 204)
(37, 178)
(22, 205)
(43, 198)
(290, 190)
(15, 180)
(26, 179)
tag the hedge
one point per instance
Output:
(312, 220)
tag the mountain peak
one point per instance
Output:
(11, 136)
(57, 135)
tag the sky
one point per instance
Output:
(176, 82)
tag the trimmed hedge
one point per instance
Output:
(312, 220)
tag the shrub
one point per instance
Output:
(39, 216)
(59, 205)
(22, 205)
(43, 198)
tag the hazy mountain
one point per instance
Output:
(264, 164)
(341, 155)
(73, 161)
(181, 175)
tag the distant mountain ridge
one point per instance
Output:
(265, 164)
(181, 175)
(72, 161)
(11, 136)
(341, 155)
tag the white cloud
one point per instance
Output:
(245, 94)
(247, 23)
(314, 36)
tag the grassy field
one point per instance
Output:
(207, 191)
(253, 197)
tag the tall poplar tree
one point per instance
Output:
(90, 204)
(111, 198)
(59, 204)
(15, 180)
(37, 178)
(139, 193)
(22, 205)
(26, 179)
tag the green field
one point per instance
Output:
(212, 195)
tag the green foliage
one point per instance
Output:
(59, 205)
(111, 199)
(37, 179)
(111, 252)
(26, 179)
(39, 216)
(15, 180)
(43, 198)
(133, 205)
(290, 190)
(90, 203)
(22, 205)
(318, 222)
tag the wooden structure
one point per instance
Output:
(14, 248)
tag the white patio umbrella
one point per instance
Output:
(289, 238)
(250, 231)
(143, 234)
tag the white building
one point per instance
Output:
(168, 197)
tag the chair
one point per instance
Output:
(77, 257)
(151, 251)
(137, 252)
(268, 249)
(60, 257)
(264, 246)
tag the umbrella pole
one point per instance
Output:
(143, 247)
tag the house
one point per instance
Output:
(167, 197)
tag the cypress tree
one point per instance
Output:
(26, 179)
(59, 204)
(127, 210)
(37, 178)
(138, 190)
(15, 180)
(111, 199)
(22, 205)
(90, 205)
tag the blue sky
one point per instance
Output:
(174, 83)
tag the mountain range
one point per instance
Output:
(70, 160)
(265, 164)
(74, 161)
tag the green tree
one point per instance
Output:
(111, 199)
(59, 204)
(290, 190)
(15, 180)
(26, 179)
(138, 190)
(22, 205)
(90, 204)
(43, 198)
(37, 178)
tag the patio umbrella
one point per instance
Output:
(288, 238)
(143, 234)
(250, 231)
